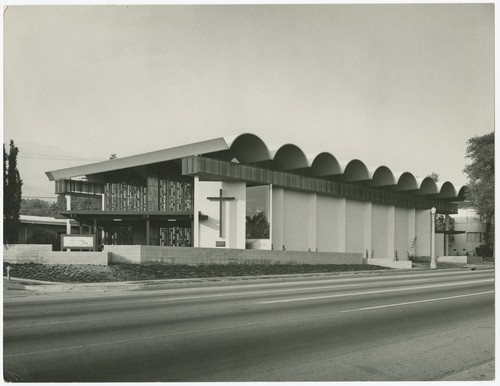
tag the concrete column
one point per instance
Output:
(341, 224)
(311, 229)
(147, 230)
(277, 216)
(433, 239)
(412, 230)
(68, 221)
(367, 227)
(391, 231)
(423, 232)
(196, 217)
(270, 214)
(446, 236)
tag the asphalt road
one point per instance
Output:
(397, 327)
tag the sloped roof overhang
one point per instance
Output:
(204, 147)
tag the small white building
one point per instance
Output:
(468, 221)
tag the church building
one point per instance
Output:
(236, 192)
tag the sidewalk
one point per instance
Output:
(482, 372)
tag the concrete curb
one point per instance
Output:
(481, 372)
(151, 285)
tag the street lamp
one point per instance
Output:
(433, 239)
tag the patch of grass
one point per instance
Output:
(133, 272)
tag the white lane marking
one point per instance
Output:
(265, 291)
(309, 281)
(141, 315)
(374, 292)
(419, 301)
(154, 337)
(255, 292)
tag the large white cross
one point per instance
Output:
(220, 199)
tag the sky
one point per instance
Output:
(400, 85)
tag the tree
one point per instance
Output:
(434, 176)
(113, 156)
(37, 207)
(257, 226)
(481, 174)
(440, 224)
(12, 192)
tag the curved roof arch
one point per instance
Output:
(463, 192)
(406, 181)
(427, 186)
(447, 190)
(383, 176)
(289, 157)
(356, 170)
(325, 164)
(248, 148)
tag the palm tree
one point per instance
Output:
(257, 227)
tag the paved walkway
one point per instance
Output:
(483, 372)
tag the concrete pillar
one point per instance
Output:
(147, 230)
(311, 221)
(196, 216)
(391, 231)
(423, 232)
(411, 230)
(341, 224)
(68, 221)
(270, 214)
(277, 224)
(367, 227)
(446, 236)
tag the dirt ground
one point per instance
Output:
(132, 272)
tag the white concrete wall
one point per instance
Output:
(299, 221)
(423, 232)
(330, 223)
(382, 233)
(358, 227)
(233, 213)
(404, 231)
(277, 226)
(43, 254)
(439, 249)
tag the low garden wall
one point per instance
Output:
(43, 254)
(460, 259)
(142, 254)
(390, 263)
(24, 253)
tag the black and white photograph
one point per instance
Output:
(253, 192)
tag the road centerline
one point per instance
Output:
(374, 292)
(418, 301)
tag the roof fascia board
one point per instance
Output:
(197, 148)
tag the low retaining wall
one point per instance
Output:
(142, 254)
(124, 253)
(24, 253)
(460, 259)
(43, 254)
(400, 264)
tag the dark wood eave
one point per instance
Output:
(108, 215)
